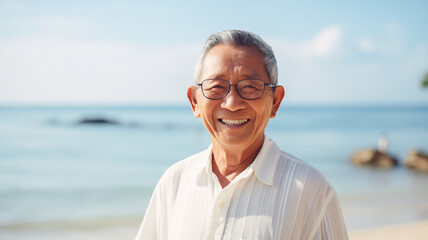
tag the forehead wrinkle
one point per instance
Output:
(250, 76)
(216, 70)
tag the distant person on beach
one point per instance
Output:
(242, 186)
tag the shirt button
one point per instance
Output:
(221, 205)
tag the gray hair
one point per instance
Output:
(244, 39)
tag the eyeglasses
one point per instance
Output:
(216, 89)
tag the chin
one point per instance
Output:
(234, 140)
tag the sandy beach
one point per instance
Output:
(388, 215)
(91, 229)
(377, 210)
(127, 230)
(409, 231)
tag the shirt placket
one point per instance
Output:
(219, 214)
(220, 208)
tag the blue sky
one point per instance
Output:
(131, 52)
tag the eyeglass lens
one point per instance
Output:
(217, 88)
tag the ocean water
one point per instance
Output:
(54, 170)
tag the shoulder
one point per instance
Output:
(301, 173)
(190, 163)
(184, 168)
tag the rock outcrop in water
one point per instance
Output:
(373, 158)
(97, 121)
(417, 160)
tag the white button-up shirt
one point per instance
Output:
(277, 197)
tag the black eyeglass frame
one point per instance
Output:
(273, 86)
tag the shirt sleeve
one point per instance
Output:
(149, 228)
(332, 225)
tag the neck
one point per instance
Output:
(229, 161)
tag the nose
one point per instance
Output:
(233, 101)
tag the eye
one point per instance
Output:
(249, 86)
(215, 85)
(219, 86)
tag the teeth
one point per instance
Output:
(234, 122)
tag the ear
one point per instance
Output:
(277, 99)
(191, 95)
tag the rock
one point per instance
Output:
(417, 160)
(97, 121)
(373, 158)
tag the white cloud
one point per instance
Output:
(390, 43)
(56, 70)
(390, 74)
(324, 44)
(366, 45)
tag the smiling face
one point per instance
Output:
(234, 121)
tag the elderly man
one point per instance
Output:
(243, 186)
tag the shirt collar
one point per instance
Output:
(264, 165)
